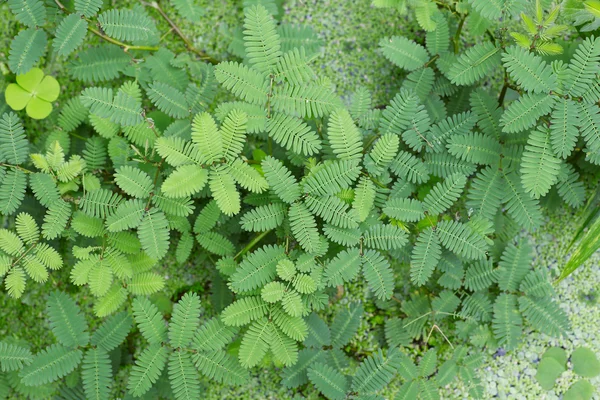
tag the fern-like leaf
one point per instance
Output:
(474, 64)
(328, 381)
(262, 43)
(50, 364)
(539, 166)
(66, 320)
(403, 52)
(529, 71)
(425, 256)
(153, 233)
(69, 34)
(524, 113)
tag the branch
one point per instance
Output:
(252, 243)
(186, 40)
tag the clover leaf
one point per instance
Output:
(34, 92)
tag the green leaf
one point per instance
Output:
(188, 9)
(403, 209)
(168, 99)
(378, 273)
(345, 324)
(213, 335)
(472, 65)
(31, 13)
(185, 181)
(128, 25)
(255, 343)
(14, 147)
(548, 371)
(100, 63)
(514, 264)
(13, 357)
(332, 177)
(403, 52)
(582, 70)
(262, 43)
(216, 243)
(134, 182)
(264, 218)
(66, 320)
(147, 369)
(128, 215)
(280, 180)
(293, 133)
(528, 70)
(50, 364)
(26, 49)
(304, 228)
(285, 350)
(343, 267)
(69, 34)
(96, 374)
(220, 366)
(524, 112)
(443, 195)
(257, 268)
(153, 233)
(224, 191)
(328, 381)
(539, 167)
(580, 390)
(385, 237)
(113, 331)
(244, 310)
(375, 372)
(184, 321)
(344, 137)
(507, 321)
(475, 147)
(88, 8)
(563, 129)
(145, 283)
(243, 82)
(149, 320)
(409, 167)
(524, 209)
(306, 101)
(56, 219)
(425, 255)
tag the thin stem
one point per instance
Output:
(457, 35)
(252, 243)
(126, 47)
(504, 89)
(188, 43)
(16, 167)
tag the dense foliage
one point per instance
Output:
(256, 169)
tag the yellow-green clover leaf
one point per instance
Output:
(34, 92)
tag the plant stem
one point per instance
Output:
(252, 243)
(457, 35)
(186, 40)
(504, 89)
(126, 47)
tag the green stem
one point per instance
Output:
(457, 35)
(126, 47)
(252, 243)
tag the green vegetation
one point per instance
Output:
(193, 218)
